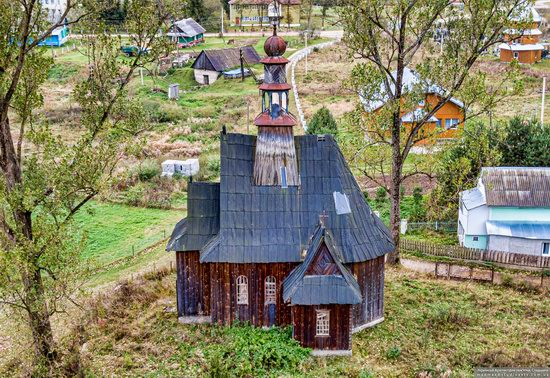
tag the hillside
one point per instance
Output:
(431, 326)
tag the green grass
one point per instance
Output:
(113, 229)
(430, 326)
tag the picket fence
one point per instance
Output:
(469, 254)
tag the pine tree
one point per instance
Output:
(322, 123)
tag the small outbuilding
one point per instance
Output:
(186, 33)
(189, 167)
(211, 63)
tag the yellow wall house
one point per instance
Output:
(523, 44)
(444, 124)
(248, 13)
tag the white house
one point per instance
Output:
(189, 167)
(509, 211)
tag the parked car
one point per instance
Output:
(134, 50)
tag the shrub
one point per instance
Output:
(253, 352)
(418, 209)
(322, 123)
(393, 353)
(381, 195)
(147, 170)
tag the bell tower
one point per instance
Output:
(275, 160)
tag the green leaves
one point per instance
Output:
(322, 123)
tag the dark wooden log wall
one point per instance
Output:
(223, 280)
(192, 284)
(304, 320)
(370, 276)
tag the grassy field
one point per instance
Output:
(431, 327)
(113, 229)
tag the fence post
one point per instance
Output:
(133, 251)
(164, 234)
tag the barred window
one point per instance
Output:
(242, 290)
(323, 323)
(270, 290)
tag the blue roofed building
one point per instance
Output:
(508, 211)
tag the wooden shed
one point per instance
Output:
(211, 63)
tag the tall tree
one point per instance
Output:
(41, 191)
(393, 35)
(197, 11)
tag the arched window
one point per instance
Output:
(242, 290)
(270, 290)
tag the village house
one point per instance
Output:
(444, 124)
(285, 237)
(210, 64)
(509, 210)
(186, 33)
(523, 42)
(54, 10)
(247, 13)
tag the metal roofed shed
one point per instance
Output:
(186, 32)
(187, 168)
(211, 63)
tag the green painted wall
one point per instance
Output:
(532, 214)
(481, 243)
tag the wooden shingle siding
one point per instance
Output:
(193, 285)
(223, 280)
(370, 276)
(304, 319)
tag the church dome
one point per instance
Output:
(275, 46)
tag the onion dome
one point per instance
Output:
(275, 46)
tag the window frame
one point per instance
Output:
(322, 323)
(545, 244)
(242, 290)
(270, 290)
(452, 123)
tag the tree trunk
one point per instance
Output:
(395, 189)
(35, 302)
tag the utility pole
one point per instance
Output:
(543, 98)
(306, 52)
(221, 30)
(242, 63)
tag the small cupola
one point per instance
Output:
(275, 160)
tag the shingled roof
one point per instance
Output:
(224, 59)
(203, 218)
(261, 224)
(309, 285)
(517, 186)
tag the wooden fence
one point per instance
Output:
(462, 253)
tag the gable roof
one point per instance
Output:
(411, 79)
(224, 59)
(301, 288)
(261, 224)
(473, 198)
(203, 218)
(516, 186)
(186, 27)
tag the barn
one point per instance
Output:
(285, 237)
(211, 63)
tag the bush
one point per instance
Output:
(253, 352)
(381, 195)
(418, 209)
(393, 353)
(147, 170)
(322, 123)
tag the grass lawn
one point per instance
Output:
(430, 326)
(113, 229)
